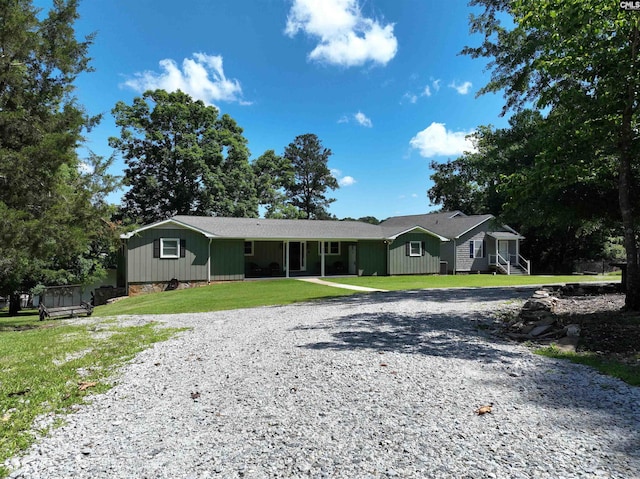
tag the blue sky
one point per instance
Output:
(380, 82)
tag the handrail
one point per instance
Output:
(506, 266)
(525, 263)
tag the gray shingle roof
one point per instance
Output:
(451, 224)
(448, 225)
(260, 228)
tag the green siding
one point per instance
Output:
(401, 263)
(227, 260)
(372, 258)
(142, 267)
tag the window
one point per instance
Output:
(169, 248)
(330, 248)
(476, 249)
(415, 248)
(248, 248)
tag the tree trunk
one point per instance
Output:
(14, 304)
(625, 186)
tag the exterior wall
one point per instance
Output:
(142, 267)
(227, 260)
(372, 258)
(468, 264)
(401, 263)
(447, 249)
(465, 262)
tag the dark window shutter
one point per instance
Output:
(407, 249)
(471, 249)
(156, 248)
(424, 249)
(183, 248)
(484, 248)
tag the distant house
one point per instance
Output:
(476, 243)
(194, 250)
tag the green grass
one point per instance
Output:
(42, 363)
(628, 373)
(222, 296)
(394, 283)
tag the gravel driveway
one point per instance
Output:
(373, 385)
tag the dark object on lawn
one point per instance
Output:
(173, 285)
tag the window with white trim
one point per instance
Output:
(169, 248)
(330, 248)
(415, 248)
(248, 248)
(476, 249)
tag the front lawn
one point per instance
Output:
(48, 366)
(222, 296)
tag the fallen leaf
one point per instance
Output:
(84, 385)
(6, 417)
(383, 365)
(195, 395)
(484, 409)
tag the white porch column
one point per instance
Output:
(209, 264)
(322, 259)
(286, 267)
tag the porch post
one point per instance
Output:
(209, 264)
(497, 251)
(286, 268)
(322, 263)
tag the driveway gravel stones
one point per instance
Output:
(377, 385)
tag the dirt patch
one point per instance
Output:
(604, 327)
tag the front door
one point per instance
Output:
(297, 256)
(352, 259)
(503, 249)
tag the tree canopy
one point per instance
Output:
(582, 56)
(311, 176)
(182, 159)
(53, 217)
(539, 177)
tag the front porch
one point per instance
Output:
(506, 257)
(299, 258)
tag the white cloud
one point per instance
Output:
(342, 180)
(345, 37)
(436, 140)
(426, 91)
(201, 76)
(436, 84)
(346, 181)
(410, 97)
(463, 89)
(343, 119)
(362, 119)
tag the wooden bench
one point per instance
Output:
(65, 311)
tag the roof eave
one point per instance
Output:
(206, 234)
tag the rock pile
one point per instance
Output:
(537, 321)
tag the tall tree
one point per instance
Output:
(47, 217)
(182, 159)
(273, 175)
(312, 177)
(583, 56)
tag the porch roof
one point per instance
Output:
(505, 235)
